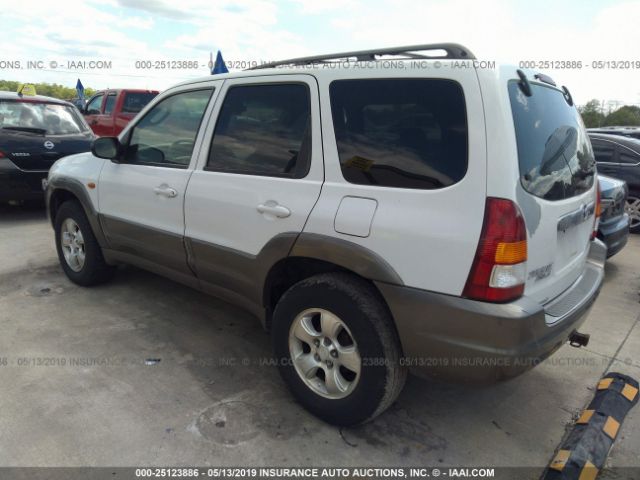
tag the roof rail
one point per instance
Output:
(453, 51)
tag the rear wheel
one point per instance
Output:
(632, 207)
(337, 348)
(78, 250)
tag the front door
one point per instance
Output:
(141, 199)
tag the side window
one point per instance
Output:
(263, 130)
(136, 101)
(110, 104)
(405, 133)
(165, 136)
(95, 106)
(604, 151)
(629, 158)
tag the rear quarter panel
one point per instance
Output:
(429, 237)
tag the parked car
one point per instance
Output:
(619, 157)
(633, 132)
(35, 131)
(613, 227)
(460, 246)
(109, 111)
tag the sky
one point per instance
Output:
(59, 36)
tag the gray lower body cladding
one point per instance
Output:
(454, 338)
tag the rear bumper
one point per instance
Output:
(18, 184)
(614, 234)
(465, 340)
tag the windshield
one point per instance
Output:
(554, 152)
(39, 117)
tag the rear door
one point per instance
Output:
(258, 177)
(557, 187)
(104, 123)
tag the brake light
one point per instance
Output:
(598, 212)
(1, 154)
(499, 269)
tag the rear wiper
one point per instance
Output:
(37, 131)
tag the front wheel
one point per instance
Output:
(78, 250)
(337, 348)
(632, 207)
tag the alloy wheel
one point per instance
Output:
(324, 353)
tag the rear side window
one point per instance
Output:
(604, 152)
(263, 130)
(110, 103)
(136, 101)
(554, 152)
(628, 157)
(405, 133)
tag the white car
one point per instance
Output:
(379, 211)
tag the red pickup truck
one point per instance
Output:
(109, 111)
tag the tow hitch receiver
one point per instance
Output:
(577, 339)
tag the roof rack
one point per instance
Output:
(453, 51)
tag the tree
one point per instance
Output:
(591, 114)
(628, 115)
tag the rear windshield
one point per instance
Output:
(405, 133)
(554, 152)
(134, 102)
(40, 118)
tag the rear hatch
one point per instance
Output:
(557, 178)
(34, 134)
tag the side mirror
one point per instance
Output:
(107, 147)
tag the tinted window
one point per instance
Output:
(628, 157)
(263, 130)
(95, 105)
(110, 103)
(166, 134)
(136, 101)
(603, 151)
(554, 152)
(400, 133)
(41, 118)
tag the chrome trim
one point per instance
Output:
(576, 217)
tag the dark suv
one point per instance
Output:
(36, 131)
(619, 157)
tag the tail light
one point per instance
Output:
(499, 269)
(1, 154)
(598, 212)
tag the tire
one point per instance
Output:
(92, 270)
(632, 207)
(364, 326)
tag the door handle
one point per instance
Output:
(165, 191)
(272, 208)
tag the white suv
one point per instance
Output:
(379, 211)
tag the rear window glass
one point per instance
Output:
(405, 133)
(134, 102)
(41, 118)
(554, 152)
